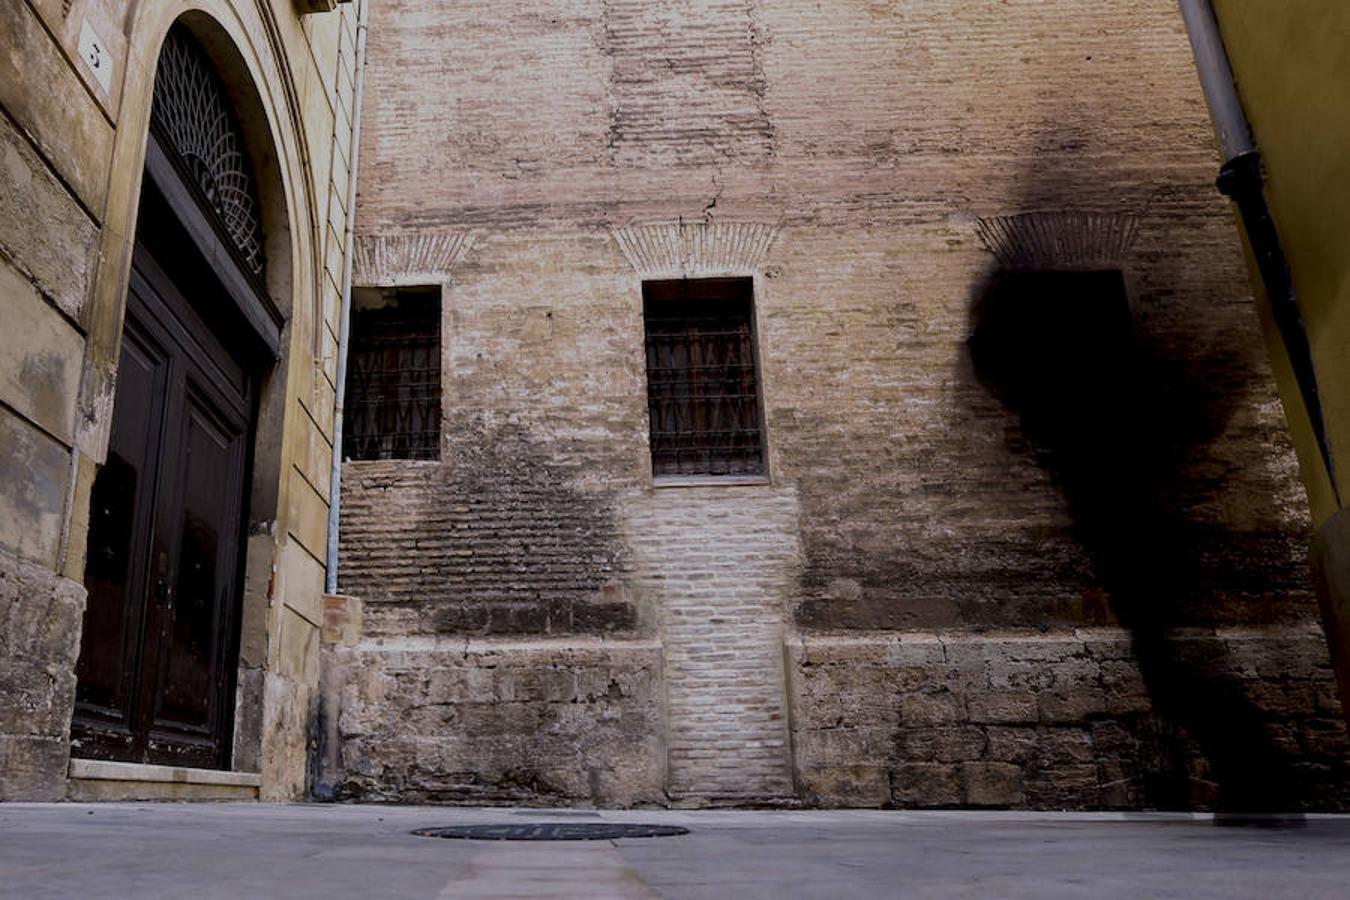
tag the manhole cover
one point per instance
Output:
(552, 831)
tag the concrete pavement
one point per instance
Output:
(205, 851)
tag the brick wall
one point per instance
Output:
(843, 155)
(717, 565)
(493, 541)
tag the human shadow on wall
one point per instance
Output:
(1114, 420)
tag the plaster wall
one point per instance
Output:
(1291, 65)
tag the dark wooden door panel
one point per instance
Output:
(121, 519)
(157, 660)
(210, 453)
(210, 357)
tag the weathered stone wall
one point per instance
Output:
(55, 156)
(843, 155)
(1062, 720)
(72, 137)
(483, 721)
(39, 643)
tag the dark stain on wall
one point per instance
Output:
(492, 539)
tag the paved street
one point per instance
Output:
(333, 852)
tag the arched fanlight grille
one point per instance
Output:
(192, 110)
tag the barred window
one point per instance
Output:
(702, 379)
(393, 400)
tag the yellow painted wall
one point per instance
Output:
(1292, 63)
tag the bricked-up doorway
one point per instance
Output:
(168, 508)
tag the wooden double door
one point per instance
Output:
(157, 664)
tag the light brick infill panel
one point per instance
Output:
(716, 564)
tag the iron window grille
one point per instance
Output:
(393, 400)
(702, 378)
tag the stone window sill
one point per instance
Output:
(678, 481)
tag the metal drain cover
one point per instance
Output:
(552, 831)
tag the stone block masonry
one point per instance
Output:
(498, 721)
(1059, 720)
(72, 146)
(40, 616)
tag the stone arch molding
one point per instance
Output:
(243, 39)
(250, 32)
(689, 250)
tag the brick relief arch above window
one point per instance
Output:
(425, 256)
(1060, 239)
(680, 250)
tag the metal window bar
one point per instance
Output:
(702, 384)
(393, 408)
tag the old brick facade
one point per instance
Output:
(941, 594)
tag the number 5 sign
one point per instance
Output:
(96, 56)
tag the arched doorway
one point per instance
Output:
(168, 510)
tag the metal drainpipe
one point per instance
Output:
(1242, 178)
(345, 317)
